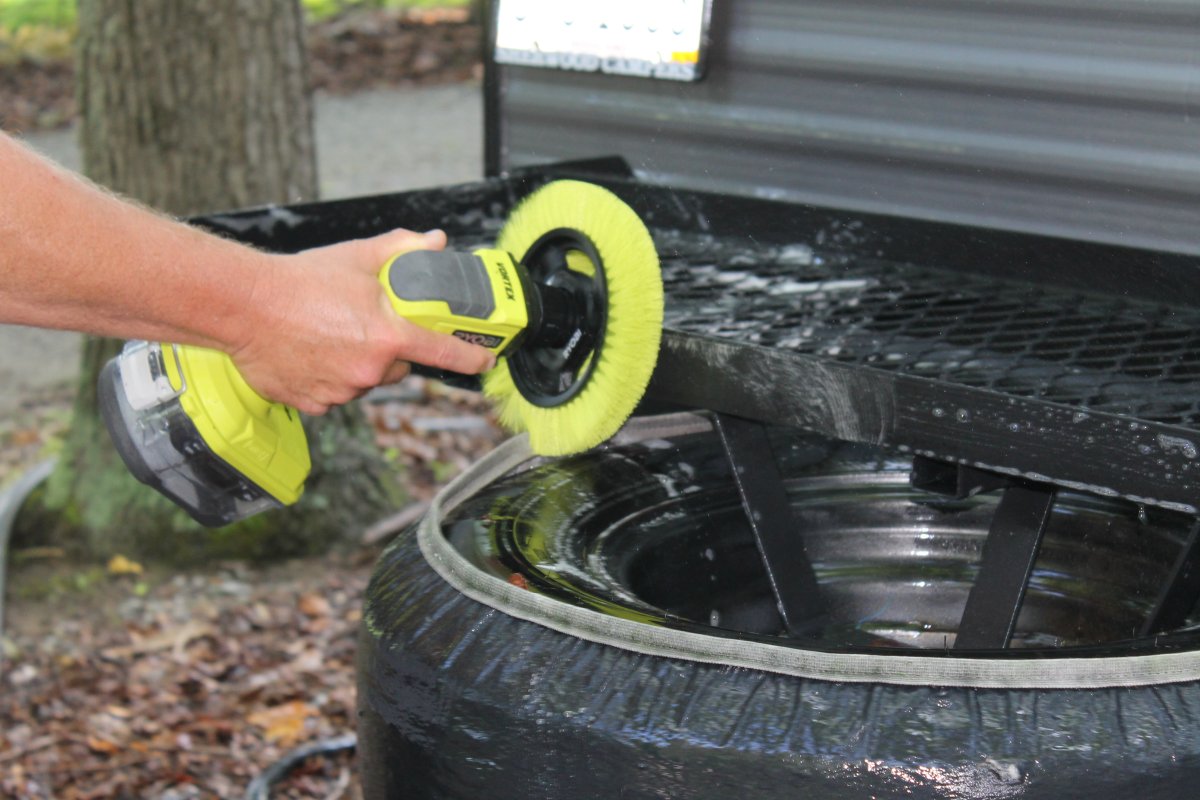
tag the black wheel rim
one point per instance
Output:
(607, 531)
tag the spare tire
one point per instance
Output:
(598, 627)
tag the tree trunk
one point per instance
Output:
(198, 106)
(194, 107)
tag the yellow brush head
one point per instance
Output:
(623, 362)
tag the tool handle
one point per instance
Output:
(477, 297)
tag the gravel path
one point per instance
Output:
(367, 143)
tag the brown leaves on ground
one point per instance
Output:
(188, 692)
(434, 430)
(368, 49)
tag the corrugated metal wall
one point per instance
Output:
(1069, 117)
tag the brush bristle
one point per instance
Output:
(626, 358)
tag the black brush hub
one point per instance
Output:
(568, 316)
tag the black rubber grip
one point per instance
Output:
(460, 279)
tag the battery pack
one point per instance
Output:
(201, 443)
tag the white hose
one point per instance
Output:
(11, 500)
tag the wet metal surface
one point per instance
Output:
(657, 533)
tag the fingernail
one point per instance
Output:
(429, 234)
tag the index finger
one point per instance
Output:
(442, 351)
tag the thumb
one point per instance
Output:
(392, 243)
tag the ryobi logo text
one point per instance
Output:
(481, 339)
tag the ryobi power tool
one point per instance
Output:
(570, 299)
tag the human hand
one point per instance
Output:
(322, 332)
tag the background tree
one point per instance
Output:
(195, 107)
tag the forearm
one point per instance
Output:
(311, 329)
(74, 257)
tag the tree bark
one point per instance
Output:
(195, 107)
(198, 106)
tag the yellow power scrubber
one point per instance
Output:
(570, 299)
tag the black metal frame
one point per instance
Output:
(1181, 593)
(1010, 550)
(492, 145)
(1024, 436)
(769, 514)
(1032, 445)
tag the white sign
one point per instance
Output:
(647, 38)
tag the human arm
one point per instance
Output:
(311, 330)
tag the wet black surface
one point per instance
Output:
(656, 533)
(459, 701)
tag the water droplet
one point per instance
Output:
(939, 412)
(714, 618)
(962, 415)
(709, 554)
(1177, 444)
(1142, 517)
(1145, 449)
(1014, 427)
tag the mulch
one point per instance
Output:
(132, 681)
(358, 50)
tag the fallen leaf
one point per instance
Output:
(314, 605)
(283, 724)
(176, 639)
(102, 746)
(120, 565)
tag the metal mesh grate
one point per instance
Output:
(1103, 354)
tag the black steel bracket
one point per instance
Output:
(1181, 591)
(957, 480)
(1009, 552)
(1012, 545)
(769, 513)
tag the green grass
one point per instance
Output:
(320, 9)
(60, 14)
(16, 14)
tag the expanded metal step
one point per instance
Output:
(1088, 392)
